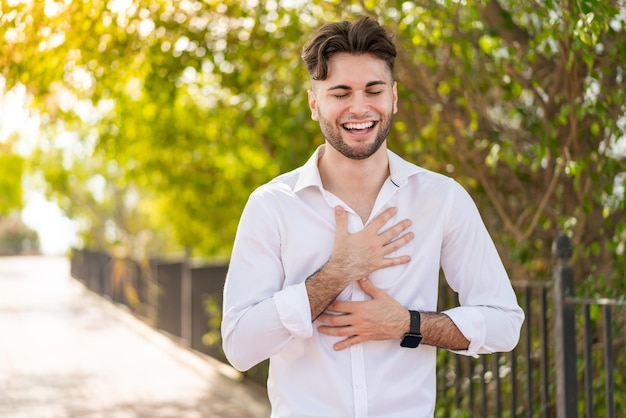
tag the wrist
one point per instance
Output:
(338, 272)
(413, 337)
(405, 325)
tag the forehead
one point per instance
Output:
(356, 70)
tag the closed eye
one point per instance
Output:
(370, 93)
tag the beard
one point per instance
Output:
(358, 152)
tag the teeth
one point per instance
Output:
(363, 125)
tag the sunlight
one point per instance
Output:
(15, 3)
(119, 6)
(54, 8)
(56, 232)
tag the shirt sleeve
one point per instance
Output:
(257, 310)
(489, 315)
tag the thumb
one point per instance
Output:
(368, 287)
(341, 220)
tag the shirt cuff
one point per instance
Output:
(294, 311)
(471, 323)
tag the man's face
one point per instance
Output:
(354, 104)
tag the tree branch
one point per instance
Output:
(501, 22)
(544, 200)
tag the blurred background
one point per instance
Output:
(144, 125)
(136, 129)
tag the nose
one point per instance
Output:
(359, 104)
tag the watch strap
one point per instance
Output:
(413, 338)
(415, 322)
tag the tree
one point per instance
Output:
(524, 104)
(11, 167)
(194, 104)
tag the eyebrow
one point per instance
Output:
(345, 87)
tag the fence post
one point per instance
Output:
(185, 304)
(564, 330)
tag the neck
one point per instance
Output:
(356, 182)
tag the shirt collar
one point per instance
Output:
(400, 170)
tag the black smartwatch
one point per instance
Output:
(413, 338)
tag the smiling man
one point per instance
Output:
(335, 268)
(372, 103)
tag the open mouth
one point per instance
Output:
(361, 127)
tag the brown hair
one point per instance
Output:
(364, 36)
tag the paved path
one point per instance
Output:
(66, 353)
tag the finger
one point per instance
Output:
(333, 320)
(369, 288)
(348, 342)
(341, 220)
(382, 219)
(395, 261)
(389, 234)
(398, 243)
(336, 331)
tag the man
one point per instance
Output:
(335, 267)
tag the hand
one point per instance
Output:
(356, 256)
(381, 318)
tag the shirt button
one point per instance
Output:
(359, 386)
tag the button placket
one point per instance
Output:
(359, 384)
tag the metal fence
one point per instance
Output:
(570, 362)
(591, 345)
(511, 384)
(175, 297)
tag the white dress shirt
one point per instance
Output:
(286, 233)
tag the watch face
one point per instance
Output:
(411, 340)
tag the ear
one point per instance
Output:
(395, 97)
(312, 104)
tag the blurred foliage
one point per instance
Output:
(16, 238)
(177, 109)
(213, 338)
(11, 169)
